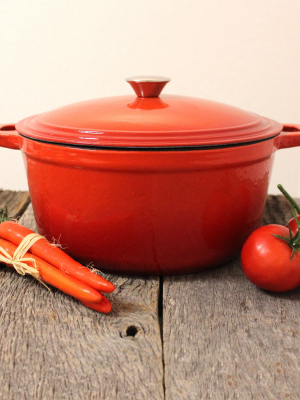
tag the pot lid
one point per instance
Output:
(148, 120)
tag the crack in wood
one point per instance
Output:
(161, 323)
(69, 351)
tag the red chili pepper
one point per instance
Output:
(57, 278)
(104, 306)
(15, 233)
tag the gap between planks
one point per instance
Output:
(208, 357)
(55, 347)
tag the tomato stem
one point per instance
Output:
(292, 242)
(289, 198)
(296, 238)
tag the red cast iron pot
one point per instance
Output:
(149, 184)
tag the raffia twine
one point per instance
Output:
(17, 260)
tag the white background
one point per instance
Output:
(244, 53)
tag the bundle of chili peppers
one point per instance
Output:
(54, 266)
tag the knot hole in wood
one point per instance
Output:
(131, 331)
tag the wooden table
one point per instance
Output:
(211, 335)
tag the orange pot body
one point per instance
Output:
(149, 212)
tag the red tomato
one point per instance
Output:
(293, 225)
(266, 260)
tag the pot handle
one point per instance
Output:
(289, 137)
(9, 137)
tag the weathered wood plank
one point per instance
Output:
(53, 347)
(27, 219)
(17, 202)
(225, 339)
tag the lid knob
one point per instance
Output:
(148, 86)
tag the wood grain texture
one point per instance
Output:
(17, 202)
(53, 347)
(223, 338)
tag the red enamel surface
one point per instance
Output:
(148, 122)
(149, 212)
(289, 137)
(9, 137)
(147, 89)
